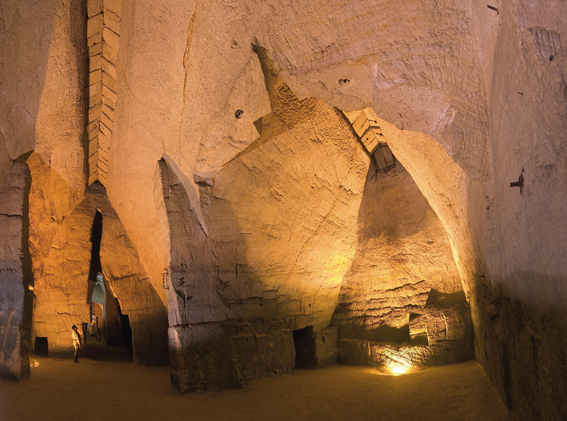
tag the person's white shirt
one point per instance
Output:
(76, 337)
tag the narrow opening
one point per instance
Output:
(126, 330)
(97, 326)
(96, 237)
(41, 347)
(108, 329)
(305, 348)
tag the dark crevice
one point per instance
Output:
(96, 237)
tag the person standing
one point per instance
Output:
(76, 342)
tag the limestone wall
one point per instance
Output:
(16, 281)
(522, 308)
(469, 98)
(403, 260)
(271, 237)
(508, 244)
(62, 289)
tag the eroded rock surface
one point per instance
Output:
(470, 98)
(15, 275)
(403, 259)
(237, 255)
(62, 289)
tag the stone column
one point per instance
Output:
(16, 298)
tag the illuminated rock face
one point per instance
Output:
(390, 296)
(270, 240)
(468, 98)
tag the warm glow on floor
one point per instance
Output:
(398, 369)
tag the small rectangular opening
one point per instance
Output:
(305, 348)
(41, 347)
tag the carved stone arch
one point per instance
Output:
(62, 291)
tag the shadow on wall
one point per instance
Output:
(262, 250)
(522, 345)
(207, 291)
(16, 277)
(402, 295)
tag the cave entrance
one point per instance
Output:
(305, 348)
(107, 325)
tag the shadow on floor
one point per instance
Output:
(97, 351)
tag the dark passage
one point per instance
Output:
(305, 348)
(126, 330)
(41, 347)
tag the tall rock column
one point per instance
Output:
(15, 276)
(103, 32)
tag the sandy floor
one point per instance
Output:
(118, 390)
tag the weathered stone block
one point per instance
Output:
(327, 349)
(104, 119)
(95, 38)
(15, 300)
(94, 7)
(109, 94)
(112, 21)
(206, 357)
(430, 343)
(95, 89)
(108, 68)
(95, 25)
(111, 43)
(96, 49)
(115, 6)
(95, 77)
(95, 62)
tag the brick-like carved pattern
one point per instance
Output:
(366, 127)
(103, 32)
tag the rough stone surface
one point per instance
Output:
(439, 333)
(218, 356)
(469, 98)
(403, 259)
(15, 297)
(403, 252)
(326, 347)
(103, 39)
(61, 290)
(235, 254)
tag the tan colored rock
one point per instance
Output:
(403, 253)
(62, 290)
(103, 31)
(474, 97)
(16, 304)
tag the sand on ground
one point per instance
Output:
(115, 389)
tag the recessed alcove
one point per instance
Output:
(305, 348)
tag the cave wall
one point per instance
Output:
(470, 99)
(509, 245)
(16, 280)
(389, 304)
(61, 292)
(238, 259)
(522, 304)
